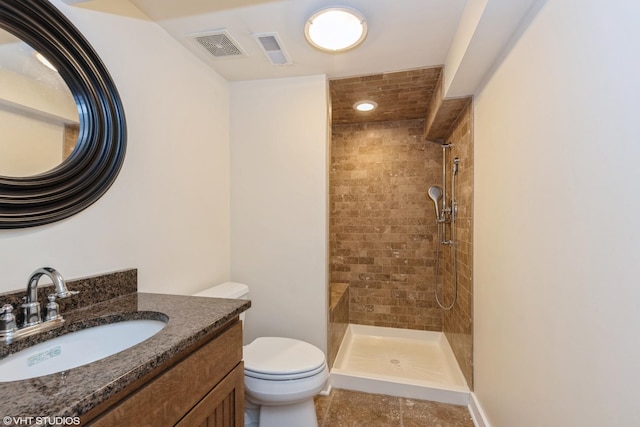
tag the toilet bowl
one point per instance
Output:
(281, 375)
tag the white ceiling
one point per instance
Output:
(467, 36)
(402, 34)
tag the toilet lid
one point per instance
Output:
(269, 357)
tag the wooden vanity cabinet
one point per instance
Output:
(204, 388)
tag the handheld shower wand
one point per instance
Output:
(435, 193)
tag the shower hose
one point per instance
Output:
(454, 257)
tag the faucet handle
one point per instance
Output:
(31, 313)
(53, 310)
(6, 310)
(65, 294)
(7, 319)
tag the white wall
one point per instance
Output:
(168, 211)
(557, 230)
(279, 205)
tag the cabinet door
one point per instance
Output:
(221, 407)
(166, 399)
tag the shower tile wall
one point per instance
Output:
(338, 318)
(457, 323)
(382, 223)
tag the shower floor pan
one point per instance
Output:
(399, 362)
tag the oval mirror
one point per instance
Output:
(63, 134)
(38, 115)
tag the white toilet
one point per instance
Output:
(281, 375)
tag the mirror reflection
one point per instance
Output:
(39, 121)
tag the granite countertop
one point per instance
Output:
(76, 391)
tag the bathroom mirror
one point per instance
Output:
(38, 115)
(67, 123)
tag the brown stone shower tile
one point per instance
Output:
(400, 95)
(457, 323)
(379, 236)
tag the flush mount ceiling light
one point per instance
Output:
(336, 29)
(365, 106)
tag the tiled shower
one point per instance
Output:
(382, 222)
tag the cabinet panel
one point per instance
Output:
(167, 398)
(223, 406)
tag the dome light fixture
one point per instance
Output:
(365, 106)
(336, 29)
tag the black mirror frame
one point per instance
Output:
(96, 161)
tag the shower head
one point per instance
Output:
(435, 193)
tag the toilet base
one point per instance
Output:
(251, 414)
(301, 414)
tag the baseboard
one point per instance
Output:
(326, 390)
(479, 418)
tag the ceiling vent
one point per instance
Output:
(273, 48)
(218, 43)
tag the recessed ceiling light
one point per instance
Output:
(336, 29)
(365, 106)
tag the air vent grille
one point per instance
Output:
(269, 43)
(273, 48)
(219, 44)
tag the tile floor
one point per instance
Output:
(345, 408)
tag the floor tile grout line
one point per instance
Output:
(326, 410)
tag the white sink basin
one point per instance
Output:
(76, 349)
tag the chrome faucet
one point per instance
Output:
(32, 321)
(31, 306)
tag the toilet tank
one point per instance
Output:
(230, 290)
